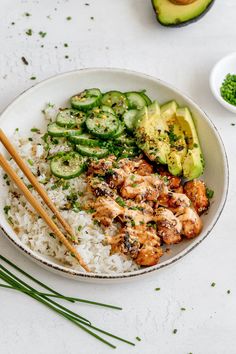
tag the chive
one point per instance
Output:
(209, 193)
(35, 130)
(17, 284)
(66, 56)
(69, 18)
(183, 309)
(24, 61)
(120, 201)
(157, 289)
(213, 285)
(6, 209)
(33, 78)
(228, 89)
(29, 32)
(65, 45)
(139, 339)
(27, 14)
(175, 331)
(42, 34)
(228, 291)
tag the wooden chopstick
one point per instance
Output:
(39, 209)
(41, 191)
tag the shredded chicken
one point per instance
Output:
(196, 192)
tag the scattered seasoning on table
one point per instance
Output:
(213, 285)
(13, 23)
(91, 18)
(33, 78)
(55, 47)
(233, 124)
(27, 14)
(157, 289)
(69, 18)
(65, 45)
(66, 56)
(24, 61)
(139, 339)
(228, 291)
(183, 309)
(42, 46)
(29, 32)
(175, 331)
(228, 89)
(42, 34)
(86, 4)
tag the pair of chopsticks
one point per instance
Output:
(33, 201)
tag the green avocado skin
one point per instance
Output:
(185, 23)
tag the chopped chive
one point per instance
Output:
(29, 32)
(33, 78)
(24, 61)
(213, 285)
(42, 34)
(157, 289)
(183, 309)
(69, 18)
(175, 331)
(228, 291)
(138, 338)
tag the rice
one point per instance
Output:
(33, 231)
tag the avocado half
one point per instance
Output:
(173, 15)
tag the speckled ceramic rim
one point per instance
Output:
(93, 276)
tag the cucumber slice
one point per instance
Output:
(104, 125)
(80, 118)
(101, 109)
(86, 99)
(55, 130)
(68, 165)
(116, 100)
(147, 99)
(85, 139)
(129, 119)
(95, 151)
(65, 118)
(119, 131)
(135, 100)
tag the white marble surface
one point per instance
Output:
(124, 33)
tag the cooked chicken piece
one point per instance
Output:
(168, 226)
(142, 187)
(176, 202)
(140, 242)
(106, 210)
(196, 191)
(144, 168)
(174, 182)
(149, 255)
(102, 166)
(116, 177)
(191, 223)
(99, 187)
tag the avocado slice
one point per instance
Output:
(178, 146)
(151, 133)
(172, 13)
(193, 162)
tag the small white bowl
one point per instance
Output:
(226, 65)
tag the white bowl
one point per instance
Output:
(25, 112)
(226, 65)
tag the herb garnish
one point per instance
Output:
(120, 201)
(13, 282)
(24, 61)
(6, 209)
(157, 289)
(175, 331)
(69, 18)
(209, 193)
(213, 285)
(29, 32)
(33, 78)
(139, 339)
(42, 34)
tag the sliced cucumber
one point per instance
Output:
(95, 151)
(85, 139)
(104, 125)
(86, 99)
(129, 119)
(65, 118)
(116, 100)
(119, 131)
(147, 99)
(135, 100)
(80, 118)
(55, 130)
(101, 109)
(68, 165)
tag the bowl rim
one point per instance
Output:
(215, 91)
(80, 275)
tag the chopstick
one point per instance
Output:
(37, 206)
(27, 172)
